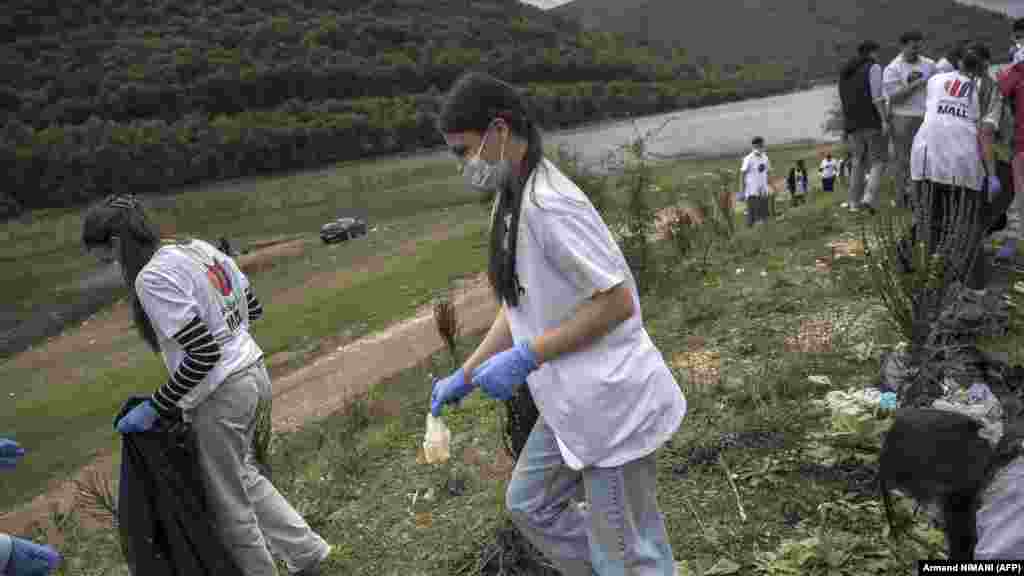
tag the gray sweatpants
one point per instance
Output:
(868, 147)
(251, 514)
(904, 128)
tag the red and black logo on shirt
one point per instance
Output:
(219, 278)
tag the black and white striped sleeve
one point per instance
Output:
(254, 305)
(202, 352)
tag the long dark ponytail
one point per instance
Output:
(123, 216)
(473, 103)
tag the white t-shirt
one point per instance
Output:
(615, 400)
(755, 169)
(182, 281)
(899, 74)
(829, 168)
(946, 148)
(944, 65)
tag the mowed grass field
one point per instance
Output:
(758, 480)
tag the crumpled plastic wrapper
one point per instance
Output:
(977, 403)
(853, 403)
(436, 441)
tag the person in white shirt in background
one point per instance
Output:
(953, 154)
(755, 187)
(828, 170)
(904, 81)
(584, 489)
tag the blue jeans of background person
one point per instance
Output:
(596, 521)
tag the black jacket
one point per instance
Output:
(859, 112)
(165, 525)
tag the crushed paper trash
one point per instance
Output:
(819, 379)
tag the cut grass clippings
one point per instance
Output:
(751, 483)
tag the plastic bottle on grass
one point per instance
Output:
(436, 441)
(887, 401)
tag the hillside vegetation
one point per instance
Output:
(811, 35)
(150, 96)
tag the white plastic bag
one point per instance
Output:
(436, 440)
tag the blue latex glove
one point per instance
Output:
(139, 419)
(449, 390)
(31, 559)
(10, 452)
(994, 188)
(502, 373)
(1008, 251)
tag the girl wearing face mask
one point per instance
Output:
(569, 327)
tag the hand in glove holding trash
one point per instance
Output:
(10, 452)
(139, 419)
(449, 390)
(502, 373)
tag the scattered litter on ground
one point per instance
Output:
(820, 380)
(852, 403)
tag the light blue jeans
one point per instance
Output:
(596, 521)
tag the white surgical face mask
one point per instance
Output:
(483, 177)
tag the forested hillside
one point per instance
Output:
(811, 35)
(152, 95)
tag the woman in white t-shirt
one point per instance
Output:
(951, 156)
(193, 305)
(570, 327)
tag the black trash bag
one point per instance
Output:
(165, 525)
(520, 415)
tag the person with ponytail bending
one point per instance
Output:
(193, 306)
(569, 326)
